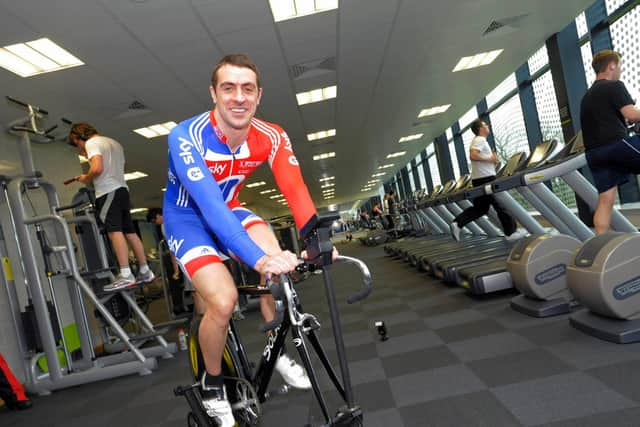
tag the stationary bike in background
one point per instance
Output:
(246, 388)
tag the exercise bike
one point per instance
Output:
(246, 388)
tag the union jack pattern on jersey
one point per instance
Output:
(205, 178)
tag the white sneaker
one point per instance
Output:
(144, 278)
(517, 235)
(455, 231)
(120, 283)
(217, 406)
(292, 373)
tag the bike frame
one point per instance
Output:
(272, 350)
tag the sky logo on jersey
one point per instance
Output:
(293, 161)
(217, 169)
(195, 174)
(185, 151)
(174, 244)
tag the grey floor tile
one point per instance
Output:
(384, 418)
(622, 418)
(434, 384)
(623, 377)
(418, 360)
(374, 396)
(555, 332)
(398, 318)
(508, 369)
(409, 342)
(405, 328)
(559, 397)
(455, 318)
(589, 352)
(488, 346)
(479, 409)
(468, 330)
(509, 318)
(364, 371)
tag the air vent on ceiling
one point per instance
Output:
(313, 68)
(492, 27)
(499, 27)
(134, 109)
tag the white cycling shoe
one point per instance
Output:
(217, 405)
(292, 373)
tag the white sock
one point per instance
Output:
(143, 268)
(125, 271)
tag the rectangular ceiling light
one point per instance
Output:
(321, 134)
(411, 137)
(256, 184)
(387, 166)
(156, 130)
(328, 178)
(290, 9)
(317, 95)
(136, 210)
(478, 60)
(271, 190)
(379, 174)
(373, 181)
(36, 57)
(163, 189)
(324, 156)
(328, 185)
(396, 154)
(433, 110)
(134, 175)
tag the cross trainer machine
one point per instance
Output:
(61, 267)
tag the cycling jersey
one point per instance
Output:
(205, 177)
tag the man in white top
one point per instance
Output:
(106, 171)
(483, 170)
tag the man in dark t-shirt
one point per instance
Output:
(611, 153)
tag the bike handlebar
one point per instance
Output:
(279, 294)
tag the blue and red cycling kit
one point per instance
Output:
(202, 213)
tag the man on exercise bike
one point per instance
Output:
(211, 156)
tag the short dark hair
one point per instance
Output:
(238, 60)
(602, 59)
(153, 213)
(476, 125)
(83, 131)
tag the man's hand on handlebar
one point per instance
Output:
(279, 263)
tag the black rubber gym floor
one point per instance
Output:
(451, 360)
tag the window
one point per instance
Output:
(435, 171)
(509, 130)
(449, 134)
(502, 90)
(467, 137)
(587, 56)
(581, 25)
(613, 5)
(454, 159)
(412, 183)
(468, 117)
(624, 36)
(422, 179)
(547, 107)
(538, 60)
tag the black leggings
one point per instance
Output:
(481, 206)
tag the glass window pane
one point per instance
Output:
(624, 35)
(502, 90)
(468, 117)
(547, 106)
(421, 177)
(454, 159)
(467, 137)
(411, 182)
(430, 150)
(508, 129)
(449, 134)
(613, 5)
(587, 56)
(581, 25)
(538, 60)
(435, 171)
